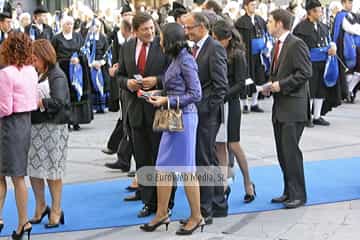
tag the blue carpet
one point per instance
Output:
(99, 205)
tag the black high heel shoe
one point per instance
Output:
(150, 228)
(248, 198)
(37, 221)
(1, 225)
(55, 225)
(18, 236)
(183, 231)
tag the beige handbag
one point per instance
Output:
(169, 119)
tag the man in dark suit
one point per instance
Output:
(5, 21)
(142, 55)
(290, 71)
(211, 59)
(38, 29)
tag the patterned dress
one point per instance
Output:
(48, 151)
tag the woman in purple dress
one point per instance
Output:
(177, 149)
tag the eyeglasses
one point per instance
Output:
(191, 27)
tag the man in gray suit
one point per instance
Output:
(290, 71)
(211, 59)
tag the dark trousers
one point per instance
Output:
(212, 197)
(287, 137)
(146, 145)
(116, 136)
(124, 153)
(122, 145)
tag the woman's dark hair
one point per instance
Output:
(16, 50)
(174, 39)
(223, 30)
(140, 18)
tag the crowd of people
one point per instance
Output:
(207, 63)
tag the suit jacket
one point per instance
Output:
(212, 63)
(139, 113)
(292, 103)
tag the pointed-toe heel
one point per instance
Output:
(183, 231)
(150, 228)
(18, 236)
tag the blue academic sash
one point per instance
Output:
(257, 45)
(349, 50)
(319, 54)
(331, 73)
(76, 77)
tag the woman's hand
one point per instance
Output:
(158, 101)
(74, 60)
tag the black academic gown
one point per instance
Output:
(316, 39)
(47, 32)
(81, 110)
(248, 32)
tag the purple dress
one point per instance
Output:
(177, 149)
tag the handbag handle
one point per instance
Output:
(177, 103)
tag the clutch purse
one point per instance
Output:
(169, 119)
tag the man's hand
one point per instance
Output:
(133, 85)
(332, 50)
(275, 87)
(113, 69)
(149, 82)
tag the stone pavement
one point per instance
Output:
(339, 221)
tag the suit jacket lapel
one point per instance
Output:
(132, 51)
(282, 52)
(203, 48)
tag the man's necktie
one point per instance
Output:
(142, 59)
(276, 55)
(194, 50)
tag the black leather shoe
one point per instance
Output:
(115, 165)
(281, 199)
(132, 198)
(294, 203)
(145, 211)
(76, 127)
(256, 108)
(108, 151)
(320, 121)
(46, 212)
